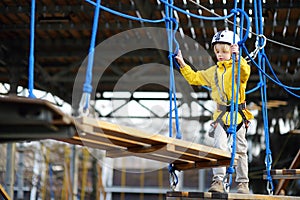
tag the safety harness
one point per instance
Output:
(226, 108)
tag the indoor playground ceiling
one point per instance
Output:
(63, 32)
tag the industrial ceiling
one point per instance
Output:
(63, 34)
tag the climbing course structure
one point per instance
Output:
(33, 119)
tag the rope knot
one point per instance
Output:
(87, 88)
(170, 19)
(234, 11)
(230, 130)
(230, 170)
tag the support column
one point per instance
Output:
(36, 172)
(74, 172)
(201, 179)
(20, 172)
(107, 175)
(10, 167)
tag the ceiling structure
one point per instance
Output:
(63, 33)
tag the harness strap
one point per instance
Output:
(224, 109)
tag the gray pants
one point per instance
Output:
(220, 141)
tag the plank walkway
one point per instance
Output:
(179, 195)
(25, 119)
(121, 141)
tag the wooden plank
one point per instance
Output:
(152, 156)
(296, 131)
(88, 133)
(59, 117)
(76, 140)
(166, 150)
(183, 154)
(202, 165)
(160, 153)
(27, 119)
(179, 195)
(283, 174)
(153, 139)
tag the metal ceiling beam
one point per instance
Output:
(68, 26)
(86, 7)
(74, 51)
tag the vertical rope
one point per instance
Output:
(234, 103)
(31, 53)
(87, 87)
(172, 88)
(261, 58)
(232, 127)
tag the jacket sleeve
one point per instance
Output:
(200, 77)
(245, 70)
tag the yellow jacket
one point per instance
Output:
(219, 79)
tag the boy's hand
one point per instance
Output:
(180, 59)
(235, 49)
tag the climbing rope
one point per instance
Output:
(170, 21)
(31, 53)
(235, 82)
(261, 59)
(87, 86)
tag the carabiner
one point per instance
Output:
(270, 188)
(173, 181)
(226, 186)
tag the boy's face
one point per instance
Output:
(222, 51)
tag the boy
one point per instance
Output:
(219, 79)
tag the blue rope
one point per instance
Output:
(87, 86)
(172, 88)
(194, 15)
(234, 104)
(31, 53)
(268, 158)
(276, 80)
(232, 128)
(258, 85)
(125, 15)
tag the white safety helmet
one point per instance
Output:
(226, 37)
